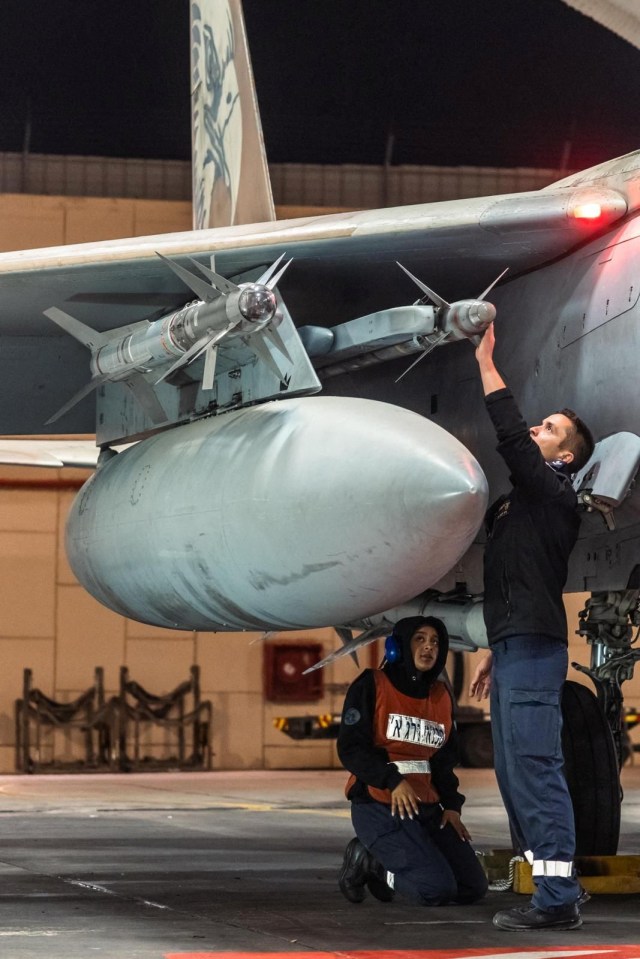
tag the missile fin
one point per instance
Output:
(201, 289)
(258, 346)
(209, 339)
(80, 395)
(268, 273)
(210, 357)
(425, 289)
(491, 285)
(90, 338)
(146, 397)
(346, 636)
(273, 282)
(220, 283)
(273, 336)
(440, 339)
(350, 647)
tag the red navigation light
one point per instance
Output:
(586, 211)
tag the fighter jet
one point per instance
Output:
(247, 502)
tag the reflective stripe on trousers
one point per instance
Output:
(548, 867)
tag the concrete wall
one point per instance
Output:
(29, 222)
(358, 185)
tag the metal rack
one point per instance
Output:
(111, 731)
(181, 712)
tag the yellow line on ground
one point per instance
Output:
(272, 807)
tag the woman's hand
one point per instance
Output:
(404, 801)
(452, 818)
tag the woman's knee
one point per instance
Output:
(437, 891)
(429, 890)
(473, 890)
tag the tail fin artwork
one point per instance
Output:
(230, 174)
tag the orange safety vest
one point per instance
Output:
(409, 729)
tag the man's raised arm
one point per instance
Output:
(491, 379)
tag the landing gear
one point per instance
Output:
(594, 736)
(476, 745)
(607, 622)
(592, 772)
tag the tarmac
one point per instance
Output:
(200, 865)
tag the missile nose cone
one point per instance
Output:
(486, 312)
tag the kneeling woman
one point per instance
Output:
(398, 741)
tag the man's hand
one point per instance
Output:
(404, 801)
(481, 682)
(485, 348)
(452, 818)
(491, 379)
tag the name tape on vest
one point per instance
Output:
(411, 729)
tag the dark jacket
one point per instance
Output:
(369, 763)
(530, 535)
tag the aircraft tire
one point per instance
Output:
(591, 768)
(458, 675)
(476, 745)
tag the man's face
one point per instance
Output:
(551, 436)
(424, 648)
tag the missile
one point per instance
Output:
(299, 513)
(224, 310)
(462, 320)
(397, 331)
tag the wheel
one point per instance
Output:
(591, 768)
(476, 745)
(458, 675)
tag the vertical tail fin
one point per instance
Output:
(230, 173)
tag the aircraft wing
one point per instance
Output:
(619, 16)
(52, 453)
(344, 266)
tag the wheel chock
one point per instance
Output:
(598, 874)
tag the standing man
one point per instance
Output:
(530, 534)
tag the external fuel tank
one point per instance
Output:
(298, 513)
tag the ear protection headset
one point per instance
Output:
(392, 649)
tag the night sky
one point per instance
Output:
(477, 82)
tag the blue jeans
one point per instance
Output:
(431, 866)
(526, 722)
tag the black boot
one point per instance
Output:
(354, 872)
(583, 897)
(377, 881)
(530, 917)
